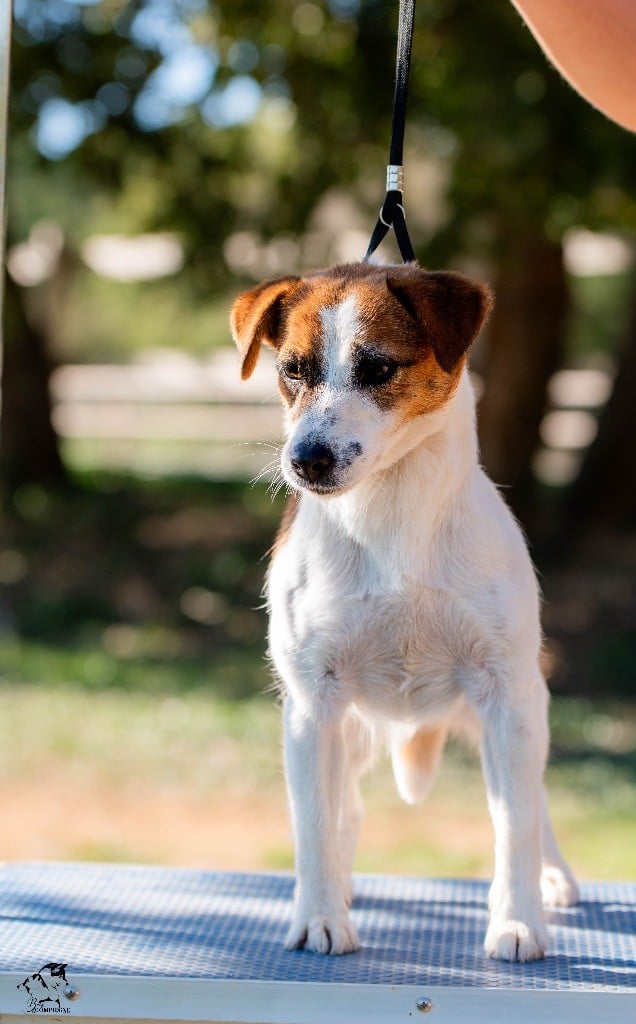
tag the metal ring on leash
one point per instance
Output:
(399, 207)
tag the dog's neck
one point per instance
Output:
(396, 512)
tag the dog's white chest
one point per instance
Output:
(395, 656)
(398, 650)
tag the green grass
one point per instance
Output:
(191, 740)
(199, 743)
(150, 661)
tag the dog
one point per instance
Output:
(403, 604)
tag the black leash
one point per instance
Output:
(392, 213)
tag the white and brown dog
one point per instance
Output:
(403, 603)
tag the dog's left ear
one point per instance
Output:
(448, 307)
(255, 318)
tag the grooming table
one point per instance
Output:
(107, 942)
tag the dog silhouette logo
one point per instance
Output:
(45, 989)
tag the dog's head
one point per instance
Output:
(366, 356)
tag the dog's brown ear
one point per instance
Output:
(255, 318)
(448, 307)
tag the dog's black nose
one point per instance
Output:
(313, 462)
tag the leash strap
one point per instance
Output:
(392, 213)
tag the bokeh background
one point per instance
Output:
(163, 155)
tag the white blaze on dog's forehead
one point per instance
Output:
(341, 325)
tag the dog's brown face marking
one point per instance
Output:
(353, 339)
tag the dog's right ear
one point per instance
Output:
(255, 318)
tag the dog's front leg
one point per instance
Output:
(314, 762)
(514, 750)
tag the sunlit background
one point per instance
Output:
(164, 155)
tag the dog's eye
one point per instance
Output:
(374, 370)
(292, 369)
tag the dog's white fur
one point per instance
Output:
(404, 606)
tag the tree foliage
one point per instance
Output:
(519, 145)
(213, 119)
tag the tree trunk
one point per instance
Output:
(604, 493)
(29, 451)
(525, 344)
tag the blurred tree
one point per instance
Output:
(217, 119)
(604, 495)
(29, 450)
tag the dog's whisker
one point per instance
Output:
(273, 463)
(275, 446)
(274, 490)
(271, 467)
(277, 482)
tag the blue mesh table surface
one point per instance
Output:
(128, 920)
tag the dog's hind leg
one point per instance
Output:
(360, 746)
(415, 757)
(558, 885)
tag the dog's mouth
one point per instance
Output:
(324, 490)
(326, 485)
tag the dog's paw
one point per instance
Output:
(334, 934)
(558, 887)
(507, 939)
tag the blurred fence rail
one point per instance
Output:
(169, 414)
